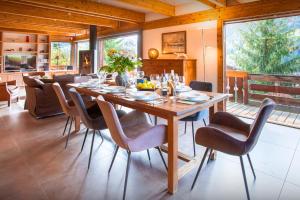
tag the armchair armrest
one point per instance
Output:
(14, 82)
(227, 119)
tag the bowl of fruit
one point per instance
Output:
(146, 86)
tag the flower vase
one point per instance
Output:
(121, 80)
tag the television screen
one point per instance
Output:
(20, 62)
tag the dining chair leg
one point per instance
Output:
(102, 139)
(193, 134)
(66, 125)
(204, 122)
(210, 154)
(162, 158)
(249, 159)
(185, 127)
(149, 158)
(155, 120)
(113, 159)
(200, 166)
(69, 133)
(87, 130)
(91, 151)
(245, 178)
(126, 176)
(150, 118)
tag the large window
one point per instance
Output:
(270, 46)
(127, 43)
(60, 54)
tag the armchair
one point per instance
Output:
(41, 100)
(9, 91)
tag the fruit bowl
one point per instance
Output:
(146, 86)
(146, 89)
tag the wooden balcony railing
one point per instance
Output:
(284, 90)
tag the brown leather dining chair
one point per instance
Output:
(68, 108)
(229, 134)
(132, 132)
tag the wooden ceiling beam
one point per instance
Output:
(213, 3)
(39, 21)
(33, 31)
(155, 6)
(257, 9)
(90, 7)
(208, 3)
(46, 29)
(106, 32)
(59, 15)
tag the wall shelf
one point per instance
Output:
(15, 41)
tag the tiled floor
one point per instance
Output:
(35, 165)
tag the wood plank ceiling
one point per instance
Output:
(73, 17)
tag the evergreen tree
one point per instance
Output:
(268, 46)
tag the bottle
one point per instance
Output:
(172, 84)
(164, 84)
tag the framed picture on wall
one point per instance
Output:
(174, 42)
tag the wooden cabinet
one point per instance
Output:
(18, 76)
(183, 67)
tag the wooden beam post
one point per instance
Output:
(221, 67)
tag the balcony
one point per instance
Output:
(249, 89)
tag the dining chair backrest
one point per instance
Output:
(113, 122)
(201, 86)
(262, 116)
(61, 97)
(81, 108)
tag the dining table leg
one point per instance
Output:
(212, 110)
(172, 154)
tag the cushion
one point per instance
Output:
(33, 82)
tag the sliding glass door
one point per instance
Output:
(263, 61)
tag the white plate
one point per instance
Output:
(183, 89)
(194, 96)
(114, 89)
(144, 95)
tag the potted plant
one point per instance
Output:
(121, 62)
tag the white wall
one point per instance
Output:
(152, 39)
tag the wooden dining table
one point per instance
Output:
(172, 111)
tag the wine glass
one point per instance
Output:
(102, 77)
(181, 81)
(155, 79)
